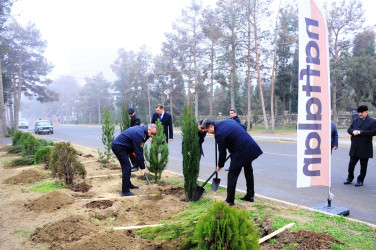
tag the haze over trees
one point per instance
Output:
(214, 59)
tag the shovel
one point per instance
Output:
(216, 180)
(147, 179)
(200, 189)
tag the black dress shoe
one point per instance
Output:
(358, 184)
(347, 182)
(247, 198)
(134, 169)
(229, 204)
(133, 187)
(122, 194)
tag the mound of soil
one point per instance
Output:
(65, 230)
(173, 190)
(119, 240)
(50, 202)
(303, 240)
(81, 187)
(25, 177)
(88, 156)
(100, 204)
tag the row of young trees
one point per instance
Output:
(233, 55)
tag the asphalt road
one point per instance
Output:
(274, 171)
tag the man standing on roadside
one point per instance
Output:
(235, 117)
(362, 130)
(166, 120)
(131, 141)
(243, 149)
(135, 121)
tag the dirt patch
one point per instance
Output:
(100, 204)
(50, 202)
(81, 187)
(88, 156)
(4, 147)
(62, 231)
(173, 190)
(303, 240)
(25, 177)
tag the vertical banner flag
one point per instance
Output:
(314, 128)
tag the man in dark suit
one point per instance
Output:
(166, 120)
(243, 149)
(235, 117)
(362, 130)
(131, 141)
(135, 121)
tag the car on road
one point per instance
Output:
(43, 126)
(23, 123)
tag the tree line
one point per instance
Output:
(234, 55)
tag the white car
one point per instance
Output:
(23, 123)
(43, 126)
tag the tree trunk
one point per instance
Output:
(233, 63)
(17, 101)
(259, 79)
(273, 70)
(249, 113)
(211, 80)
(148, 90)
(3, 125)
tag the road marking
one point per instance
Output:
(280, 154)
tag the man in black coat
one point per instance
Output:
(131, 141)
(235, 117)
(135, 121)
(362, 130)
(166, 120)
(243, 149)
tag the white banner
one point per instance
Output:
(314, 128)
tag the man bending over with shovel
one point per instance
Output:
(131, 141)
(243, 149)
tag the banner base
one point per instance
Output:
(332, 209)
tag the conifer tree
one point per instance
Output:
(157, 157)
(125, 122)
(191, 152)
(108, 129)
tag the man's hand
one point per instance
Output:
(170, 140)
(334, 148)
(218, 169)
(356, 132)
(143, 171)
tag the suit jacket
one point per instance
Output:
(361, 145)
(167, 124)
(243, 149)
(135, 121)
(334, 133)
(237, 119)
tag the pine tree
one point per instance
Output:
(125, 122)
(108, 129)
(191, 152)
(157, 156)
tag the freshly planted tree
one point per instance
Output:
(191, 152)
(108, 129)
(157, 157)
(64, 163)
(125, 122)
(225, 227)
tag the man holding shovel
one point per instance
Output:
(131, 141)
(243, 149)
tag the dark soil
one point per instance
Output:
(81, 187)
(173, 190)
(88, 156)
(50, 202)
(100, 204)
(302, 240)
(26, 177)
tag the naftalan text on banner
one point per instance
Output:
(313, 130)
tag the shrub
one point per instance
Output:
(16, 137)
(16, 149)
(43, 155)
(225, 227)
(191, 152)
(25, 160)
(108, 129)
(157, 157)
(125, 121)
(64, 163)
(30, 146)
(44, 143)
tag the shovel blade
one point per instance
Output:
(215, 184)
(198, 193)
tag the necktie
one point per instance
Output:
(160, 117)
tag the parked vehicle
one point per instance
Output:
(23, 123)
(43, 126)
